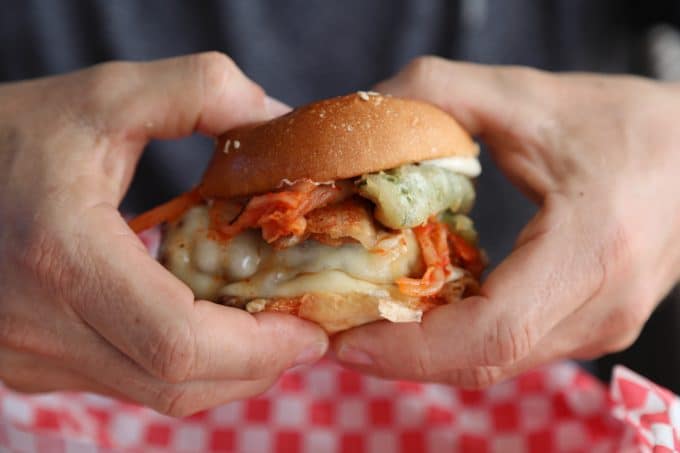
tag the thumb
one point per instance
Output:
(151, 316)
(522, 300)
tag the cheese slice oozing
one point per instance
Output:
(248, 267)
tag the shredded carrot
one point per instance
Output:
(223, 211)
(429, 284)
(167, 212)
(469, 255)
(432, 238)
(439, 246)
(281, 214)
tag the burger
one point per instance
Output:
(343, 212)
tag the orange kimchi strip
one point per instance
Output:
(167, 212)
(470, 257)
(433, 241)
(281, 214)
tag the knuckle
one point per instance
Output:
(100, 79)
(7, 329)
(588, 353)
(477, 378)
(630, 319)
(20, 387)
(530, 84)
(215, 62)
(521, 75)
(14, 333)
(616, 253)
(423, 365)
(55, 268)
(43, 259)
(104, 73)
(423, 68)
(102, 90)
(218, 73)
(536, 98)
(507, 343)
(173, 355)
(259, 366)
(13, 375)
(610, 345)
(216, 70)
(627, 322)
(174, 401)
(425, 362)
(621, 343)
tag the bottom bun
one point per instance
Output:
(337, 312)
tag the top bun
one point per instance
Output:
(333, 139)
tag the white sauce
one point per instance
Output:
(467, 166)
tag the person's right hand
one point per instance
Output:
(82, 304)
(599, 154)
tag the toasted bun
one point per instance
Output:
(332, 139)
(338, 312)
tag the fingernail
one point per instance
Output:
(355, 356)
(275, 107)
(311, 354)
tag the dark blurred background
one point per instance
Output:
(304, 50)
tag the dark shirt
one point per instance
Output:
(300, 51)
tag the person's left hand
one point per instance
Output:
(600, 155)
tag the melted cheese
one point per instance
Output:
(289, 284)
(248, 267)
(467, 166)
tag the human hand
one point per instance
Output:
(600, 155)
(83, 306)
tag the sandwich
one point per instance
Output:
(343, 212)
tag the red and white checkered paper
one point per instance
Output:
(326, 408)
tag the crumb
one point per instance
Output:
(226, 147)
(363, 95)
(256, 305)
(237, 144)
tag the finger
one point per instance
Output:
(483, 98)
(542, 282)
(119, 290)
(131, 103)
(171, 98)
(509, 108)
(31, 373)
(587, 334)
(115, 377)
(554, 346)
(147, 313)
(93, 365)
(118, 376)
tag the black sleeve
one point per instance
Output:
(644, 14)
